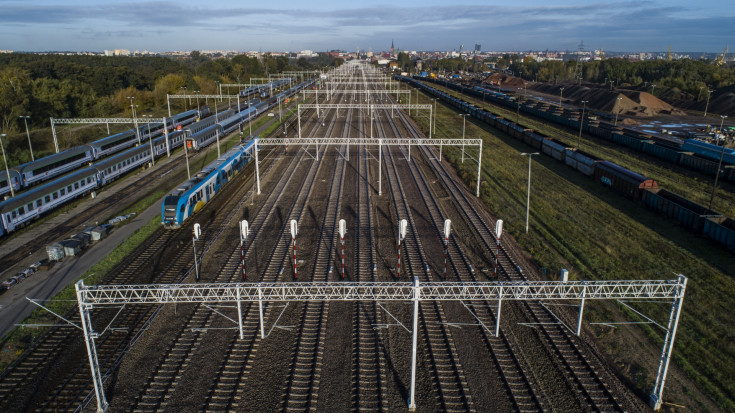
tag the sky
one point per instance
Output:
(626, 26)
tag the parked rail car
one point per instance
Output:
(15, 182)
(622, 180)
(689, 214)
(54, 165)
(34, 202)
(113, 167)
(192, 195)
(114, 143)
(693, 216)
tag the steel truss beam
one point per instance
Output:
(202, 96)
(102, 295)
(368, 141)
(119, 295)
(363, 105)
(68, 121)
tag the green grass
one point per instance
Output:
(597, 234)
(20, 338)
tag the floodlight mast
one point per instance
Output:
(498, 233)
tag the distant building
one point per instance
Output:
(6, 51)
(477, 48)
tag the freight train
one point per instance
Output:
(690, 153)
(691, 215)
(23, 208)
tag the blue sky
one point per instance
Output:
(39, 25)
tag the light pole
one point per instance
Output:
(617, 113)
(196, 92)
(581, 122)
(186, 152)
(150, 140)
(561, 93)
(135, 120)
(7, 170)
(709, 93)
(28, 132)
(719, 165)
(183, 92)
(528, 196)
(653, 89)
(518, 105)
(464, 121)
(434, 129)
(699, 96)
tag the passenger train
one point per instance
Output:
(192, 195)
(32, 173)
(24, 207)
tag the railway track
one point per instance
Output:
(449, 381)
(516, 383)
(592, 392)
(163, 382)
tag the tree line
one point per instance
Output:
(60, 86)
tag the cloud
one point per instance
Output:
(629, 25)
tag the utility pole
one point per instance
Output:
(28, 132)
(719, 165)
(581, 122)
(528, 196)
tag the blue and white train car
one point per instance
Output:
(114, 143)
(15, 181)
(54, 165)
(32, 203)
(111, 168)
(192, 195)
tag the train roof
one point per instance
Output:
(122, 155)
(47, 160)
(622, 172)
(40, 191)
(207, 170)
(113, 138)
(186, 114)
(4, 176)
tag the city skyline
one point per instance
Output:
(85, 25)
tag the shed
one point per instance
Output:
(71, 246)
(99, 232)
(55, 252)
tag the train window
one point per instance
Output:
(39, 203)
(89, 180)
(55, 195)
(29, 207)
(63, 191)
(47, 199)
(21, 211)
(13, 215)
(68, 188)
(76, 185)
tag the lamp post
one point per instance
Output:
(581, 122)
(699, 96)
(186, 152)
(7, 170)
(653, 89)
(528, 196)
(28, 132)
(617, 113)
(464, 121)
(183, 92)
(150, 140)
(518, 105)
(719, 165)
(709, 93)
(434, 126)
(196, 92)
(135, 120)
(561, 93)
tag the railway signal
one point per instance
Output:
(498, 233)
(294, 231)
(447, 230)
(402, 225)
(244, 230)
(342, 232)
(197, 233)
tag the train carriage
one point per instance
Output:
(622, 180)
(111, 168)
(114, 143)
(15, 181)
(32, 203)
(54, 165)
(192, 195)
